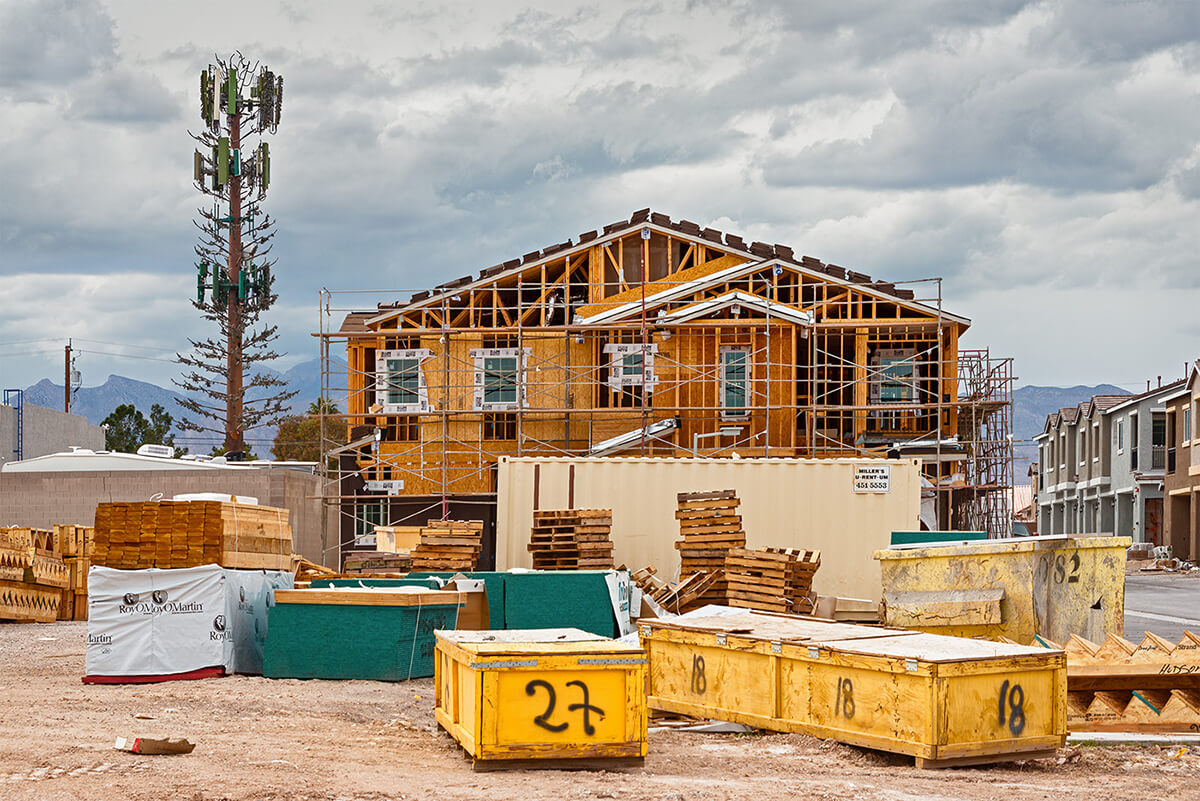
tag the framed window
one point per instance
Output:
(499, 378)
(1121, 435)
(735, 380)
(399, 382)
(894, 379)
(366, 517)
(1187, 422)
(499, 426)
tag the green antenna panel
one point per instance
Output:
(223, 160)
(231, 91)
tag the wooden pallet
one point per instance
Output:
(709, 527)
(571, 539)
(448, 545)
(771, 579)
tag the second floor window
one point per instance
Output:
(735, 380)
(399, 384)
(499, 379)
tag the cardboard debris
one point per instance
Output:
(145, 745)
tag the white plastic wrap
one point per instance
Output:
(162, 622)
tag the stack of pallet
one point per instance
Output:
(572, 539)
(171, 534)
(32, 575)
(449, 545)
(76, 544)
(771, 579)
(709, 527)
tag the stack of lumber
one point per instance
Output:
(771, 579)
(572, 539)
(373, 563)
(449, 545)
(171, 534)
(76, 544)
(709, 527)
(1117, 685)
(32, 575)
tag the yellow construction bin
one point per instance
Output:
(523, 698)
(944, 700)
(1050, 587)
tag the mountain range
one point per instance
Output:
(97, 403)
(1031, 404)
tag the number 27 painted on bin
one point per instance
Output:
(543, 719)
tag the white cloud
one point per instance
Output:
(1047, 146)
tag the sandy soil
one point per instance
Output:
(268, 739)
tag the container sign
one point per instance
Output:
(872, 478)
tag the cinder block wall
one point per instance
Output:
(43, 499)
(46, 431)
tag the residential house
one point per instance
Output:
(1102, 466)
(1181, 482)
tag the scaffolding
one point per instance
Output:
(710, 355)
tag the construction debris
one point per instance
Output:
(176, 534)
(572, 539)
(677, 598)
(449, 545)
(709, 527)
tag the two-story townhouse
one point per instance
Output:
(1181, 481)
(1102, 466)
(1138, 447)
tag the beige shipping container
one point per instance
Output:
(845, 508)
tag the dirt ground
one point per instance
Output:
(266, 739)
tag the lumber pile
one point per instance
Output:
(32, 575)
(571, 539)
(448, 545)
(76, 544)
(374, 563)
(172, 534)
(709, 527)
(1117, 685)
(771, 579)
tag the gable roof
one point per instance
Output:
(758, 252)
(736, 298)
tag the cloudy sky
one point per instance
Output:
(1042, 158)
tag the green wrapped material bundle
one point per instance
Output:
(343, 633)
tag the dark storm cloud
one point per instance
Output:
(51, 42)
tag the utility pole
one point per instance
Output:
(67, 379)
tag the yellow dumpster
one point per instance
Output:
(1050, 587)
(541, 698)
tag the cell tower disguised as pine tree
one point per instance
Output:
(240, 103)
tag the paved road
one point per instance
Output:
(1165, 604)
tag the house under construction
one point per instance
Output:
(658, 338)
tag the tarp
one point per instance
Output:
(168, 622)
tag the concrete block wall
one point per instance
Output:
(45, 431)
(43, 499)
